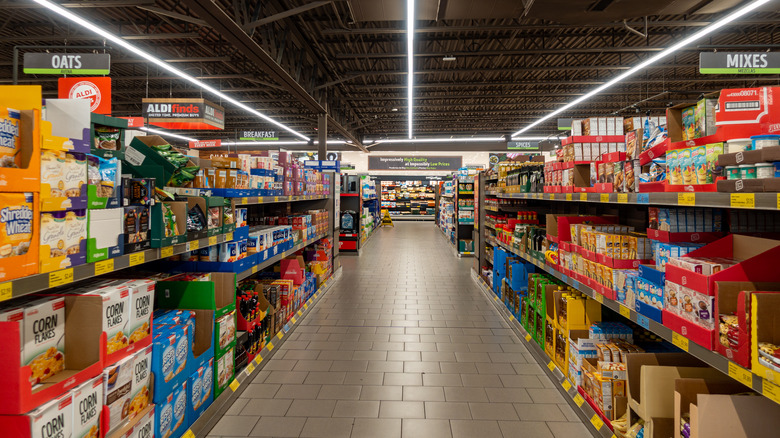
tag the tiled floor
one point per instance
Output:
(403, 345)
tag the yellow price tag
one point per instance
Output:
(258, 359)
(604, 197)
(166, 252)
(686, 199)
(569, 196)
(270, 346)
(104, 267)
(293, 320)
(511, 317)
(212, 240)
(778, 201)
(6, 291)
(137, 258)
(771, 391)
(551, 366)
(276, 199)
(305, 305)
(622, 198)
(234, 385)
(495, 297)
(743, 200)
(625, 312)
(552, 196)
(188, 434)
(598, 297)
(254, 269)
(59, 278)
(249, 369)
(228, 237)
(245, 200)
(528, 338)
(280, 335)
(680, 341)
(583, 196)
(596, 421)
(193, 245)
(566, 385)
(300, 313)
(578, 400)
(740, 374)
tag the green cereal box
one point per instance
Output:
(713, 151)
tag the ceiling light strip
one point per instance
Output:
(410, 60)
(164, 65)
(653, 59)
(166, 133)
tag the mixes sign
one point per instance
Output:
(739, 63)
(414, 163)
(184, 113)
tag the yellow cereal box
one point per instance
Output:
(10, 145)
(16, 223)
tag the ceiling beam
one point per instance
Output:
(519, 69)
(170, 14)
(85, 4)
(563, 51)
(288, 13)
(72, 38)
(550, 83)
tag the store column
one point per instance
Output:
(322, 136)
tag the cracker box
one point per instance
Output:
(117, 384)
(141, 305)
(142, 371)
(44, 338)
(116, 316)
(145, 426)
(87, 407)
(54, 419)
(225, 331)
(171, 412)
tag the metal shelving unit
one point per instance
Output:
(272, 260)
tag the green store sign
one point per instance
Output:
(767, 63)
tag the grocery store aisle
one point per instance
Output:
(403, 345)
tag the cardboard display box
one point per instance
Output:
(764, 327)
(691, 397)
(159, 239)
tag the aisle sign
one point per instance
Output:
(259, 135)
(523, 145)
(414, 163)
(67, 63)
(739, 63)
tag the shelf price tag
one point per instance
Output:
(212, 240)
(528, 338)
(643, 198)
(280, 335)
(771, 391)
(270, 346)
(643, 321)
(249, 369)
(740, 374)
(551, 366)
(583, 196)
(596, 421)
(625, 312)
(6, 291)
(234, 385)
(579, 400)
(552, 196)
(598, 297)
(258, 359)
(622, 198)
(137, 258)
(680, 341)
(228, 237)
(193, 245)
(743, 200)
(245, 200)
(276, 199)
(566, 385)
(62, 277)
(104, 266)
(569, 196)
(778, 201)
(188, 434)
(686, 199)
(511, 317)
(294, 320)
(604, 197)
(166, 252)
(305, 305)
(300, 313)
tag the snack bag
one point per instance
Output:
(16, 223)
(10, 145)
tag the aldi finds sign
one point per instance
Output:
(67, 63)
(739, 63)
(175, 113)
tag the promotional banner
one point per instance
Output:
(739, 63)
(67, 63)
(97, 90)
(181, 113)
(203, 144)
(416, 163)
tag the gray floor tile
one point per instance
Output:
(339, 392)
(465, 394)
(527, 429)
(475, 428)
(235, 425)
(260, 390)
(539, 412)
(382, 393)
(311, 408)
(327, 427)
(423, 393)
(447, 410)
(273, 407)
(401, 409)
(566, 430)
(426, 428)
(279, 427)
(356, 409)
(376, 428)
(403, 379)
(305, 392)
(359, 378)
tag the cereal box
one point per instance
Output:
(87, 407)
(53, 419)
(226, 333)
(170, 413)
(16, 223)
(142, 369)
(200, 389)
(117, 384)
(53, 172)
(53, 233)
(10, 145)
(224, 369)
(75, 229)
(116, 316)
(699, 158)
(673, 167)
(44, 338)
(714, 150)
(689, 123)
(145, 426)
(74, 174)
(15, 314)
(141, 304)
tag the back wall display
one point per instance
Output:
(414, 163)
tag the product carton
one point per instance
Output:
(62, 240)
(87, 408)
(117, 384)
(201, 390)
(765, 327)
(200, 202)
(169, 359)
(26, 176)
(104, 234)
(52, 419)
(140, 394)
(224, 370)
(171, 412)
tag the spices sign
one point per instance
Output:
(523, 145)
(67, 63)
(739, 63)
(416, 163)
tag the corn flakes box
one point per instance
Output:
(16, 223)
(117, 384)
(44, 338)
(142, 369)
(15, 314)
(170, 414)
(53, 419)
(87, 407)
(145, 426)
(116, 316)
(141, 306)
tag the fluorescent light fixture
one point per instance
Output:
(165, 133)
(410, 59)
(449, 58)
(162, 64)
(277, 143)
(452, 140)
(652, 60)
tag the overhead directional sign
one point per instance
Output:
(739, 63)
(523, 145)
(259, 135)
(67, 63)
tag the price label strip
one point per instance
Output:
(270, 346)
(625, 312)
(212, 240)
(569, 197)
(743, 200)
(596, 421)
(622, 198)
(249, 369)
(771, 391)
(528, 338)
(6, 291)
(166, 252)
(188, 434)
(604, 197)
(680, 341)
(258, 359)
(193, 245)
(280, 335)
(104, 267)
(740, 374)
(566, 385)
(583, 196)
(578, 400)
(234, 385)
(61, 278)
(137, 258)
(551, 366)
(686, 199)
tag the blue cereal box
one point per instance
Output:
(171, 413)
(200, 391)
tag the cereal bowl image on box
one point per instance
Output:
(44, 338)
(170, 414)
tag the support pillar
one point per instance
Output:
(322, 136)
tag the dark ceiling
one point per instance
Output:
(292, 59)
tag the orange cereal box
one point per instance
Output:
(16, 223)
(10, 144)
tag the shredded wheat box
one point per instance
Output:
(87, 406)
(44, 338)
